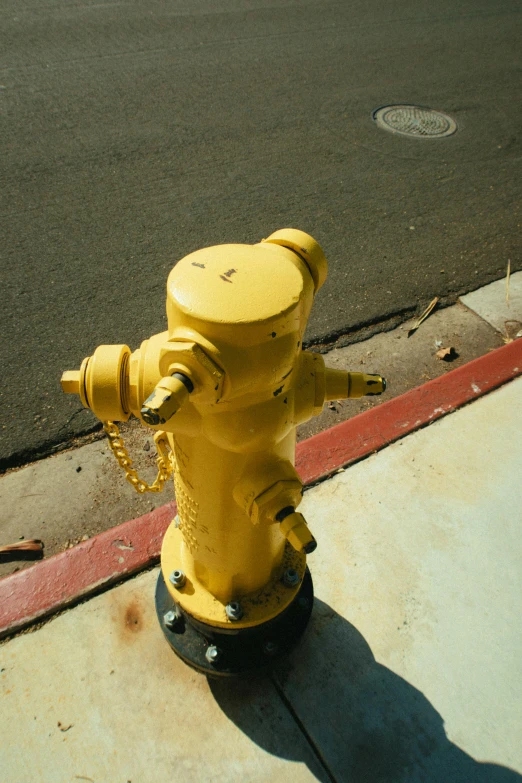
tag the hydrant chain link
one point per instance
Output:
(164, 460)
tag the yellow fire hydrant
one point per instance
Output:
(225, 388)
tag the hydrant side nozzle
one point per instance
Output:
(363, 385)
(294, 528)
(166, 399)
(340, 384)
(266, 487)
(102, 382)
(337, 384)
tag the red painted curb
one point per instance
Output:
(374, 429)
(63, 579)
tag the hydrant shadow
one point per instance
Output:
(362, 723)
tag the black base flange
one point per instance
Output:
(242, 650)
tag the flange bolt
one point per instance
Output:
(178, 579)
(213, 654)
(233, 611)
(171, 619)
(291, 577)
(270, 648)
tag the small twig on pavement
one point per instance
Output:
(31, 545)
(423, 317)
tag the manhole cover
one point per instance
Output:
(415, 121)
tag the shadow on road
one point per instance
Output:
(366, 723)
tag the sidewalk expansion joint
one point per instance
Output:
(300, 725)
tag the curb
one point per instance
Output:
(368, 432)
(93, 565)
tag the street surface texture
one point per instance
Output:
(135, 133)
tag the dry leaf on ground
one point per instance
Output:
(447, 354)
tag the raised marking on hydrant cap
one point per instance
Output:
(236, 553)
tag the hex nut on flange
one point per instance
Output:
(234, 611)
(177, 579)
(213, 654)
(291, 577)
(171, 619)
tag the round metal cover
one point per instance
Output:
(417, 121)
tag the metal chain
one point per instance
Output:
(164, 461)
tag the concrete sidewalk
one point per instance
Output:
(409, 671)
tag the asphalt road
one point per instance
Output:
(134, 133)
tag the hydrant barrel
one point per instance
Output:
(225, 387)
